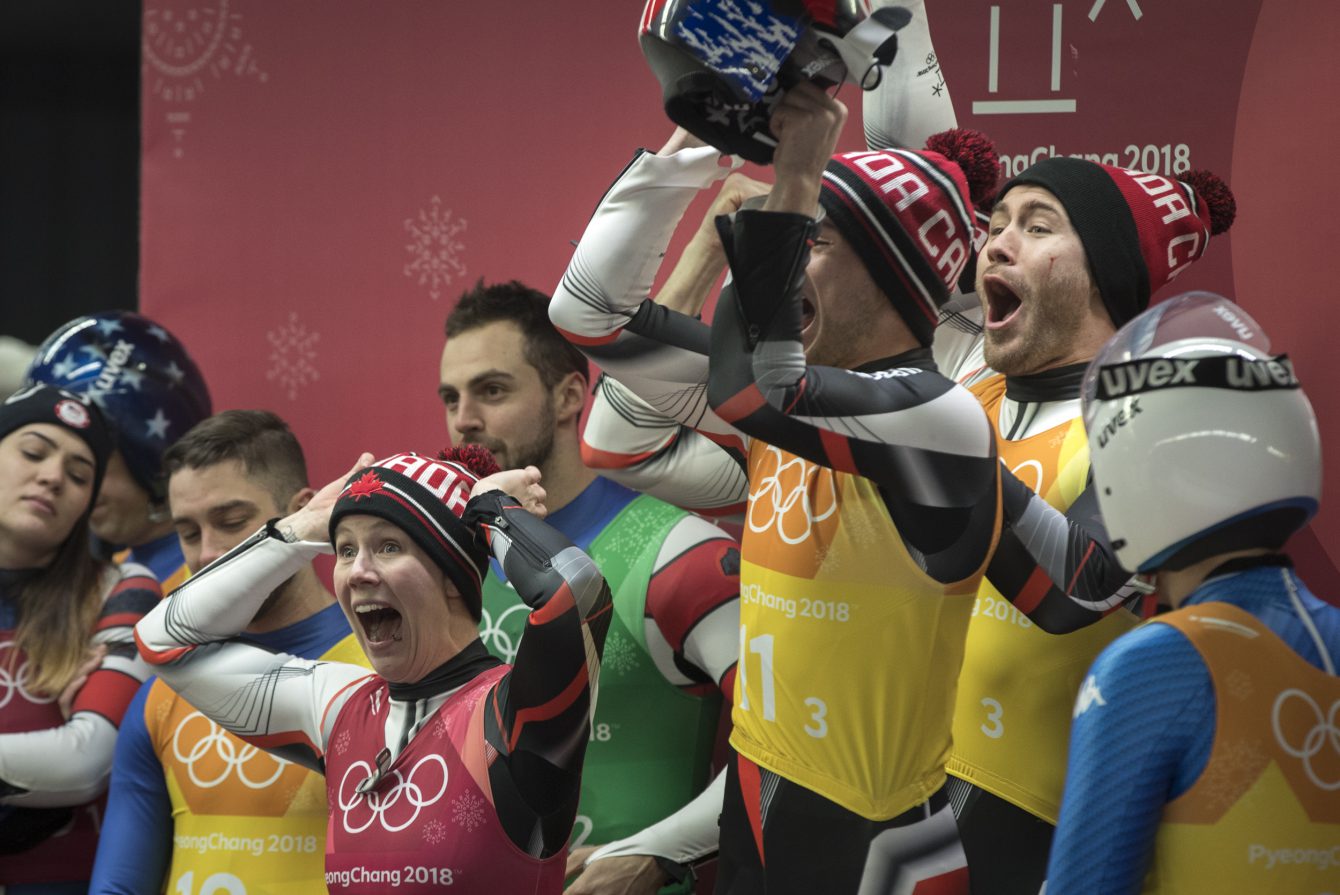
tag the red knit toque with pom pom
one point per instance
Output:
(909, 216)
(1139, 230)
(426, 498)
(474, 457)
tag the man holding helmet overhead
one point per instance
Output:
(833, 791)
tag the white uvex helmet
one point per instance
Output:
(1201, 440)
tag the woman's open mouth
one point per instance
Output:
(380, 622)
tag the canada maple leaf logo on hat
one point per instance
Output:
(366, 486)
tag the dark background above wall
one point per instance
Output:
(69, 161)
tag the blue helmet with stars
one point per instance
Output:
(149, 389)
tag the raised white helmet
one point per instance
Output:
(1201, 440)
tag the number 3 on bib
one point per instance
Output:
(993, 712)
(818, 727)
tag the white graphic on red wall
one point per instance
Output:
(184, 41)
(292, 356)
(436, 247)
(1049, 103)
(1097, 7)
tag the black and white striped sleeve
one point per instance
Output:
(279, 702)
(651, 426)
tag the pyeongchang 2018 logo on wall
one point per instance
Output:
(182, 42)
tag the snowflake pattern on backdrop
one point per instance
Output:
(292, 353)
(434, 832)
(435, 246)
(183, 40)
(468, 811)
(620, 655)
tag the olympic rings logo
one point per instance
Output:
(1021, 472)
(225, 751)
(495, 635)
(788, 507)
(1324, 730)
(392, 809)
(15, 680)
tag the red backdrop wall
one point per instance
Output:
(320, 181)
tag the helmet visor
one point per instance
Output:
(1194, 324)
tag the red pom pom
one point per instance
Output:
(975, 155)
(474, 457)
(1216, 195)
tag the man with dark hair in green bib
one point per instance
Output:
(511, 383)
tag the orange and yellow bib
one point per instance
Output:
(1018, 684)
(849, 652)
(243, 820)
(1264, 815)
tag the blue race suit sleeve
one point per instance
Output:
(135, 846)
(1141, 736)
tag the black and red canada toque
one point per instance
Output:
(909, 217)
(426, 497)
(1139, 230)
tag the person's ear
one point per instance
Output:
(299, 500)
(570, 397)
